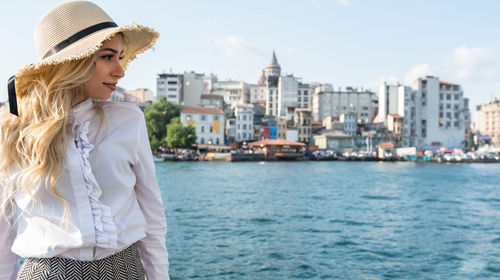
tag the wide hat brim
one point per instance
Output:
(137, 39)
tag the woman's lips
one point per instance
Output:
(112, 86)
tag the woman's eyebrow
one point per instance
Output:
(111, 50)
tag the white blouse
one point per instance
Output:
(109, 181)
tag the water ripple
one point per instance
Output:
(322, 220)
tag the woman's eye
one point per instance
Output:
(108, 57)
(120, 58)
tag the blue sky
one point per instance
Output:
(342, 42)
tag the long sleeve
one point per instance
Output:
(152, 248)
(9, 262)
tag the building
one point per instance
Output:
(281, 130)
(170, 86)
(257, 93)
(142, 95)
(233, 92)
(395, 127)
(434, 112)
(288, 87)
(183, 89)
(271, 76)
(193, 88)
(273, 69)
(292, 134)
(303, 124)
(212, 100)
(244, 122)
(279, 149)
(231, 130)
(208, 122)
(335, 140)
(391, 100)
(487, 120)
(118, 95)
(350, 123)
(327, 102)
(439, 113)
(304, 95)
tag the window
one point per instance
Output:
(440, 114)
(216, 118)
(455, 124)
(211, 130)
(448, 115)
(457, 96)
(244, 117)
(244, 135)
(202, 141)
(202, 129)
(440, 96)
(448, 106)
(172, 82)
(217, 141)
(456, 115)
(448, 97)
(172, 89)
(203, 117)
(455, 107)
(306, 92)
(244, 127)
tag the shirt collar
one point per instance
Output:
(82, 111)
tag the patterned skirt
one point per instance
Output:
(124, 265)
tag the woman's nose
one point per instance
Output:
(118, 70)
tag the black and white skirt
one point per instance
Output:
(124, 265)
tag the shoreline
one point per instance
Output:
(261, 157)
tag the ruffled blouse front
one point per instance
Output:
(105, 229)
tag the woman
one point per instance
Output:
(79, 196)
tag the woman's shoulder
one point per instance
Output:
(121, 107)
(122, 111)
(123, 114)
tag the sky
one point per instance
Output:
(358, 43)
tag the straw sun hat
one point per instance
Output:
(72, 31)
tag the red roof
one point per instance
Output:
(446, 83)
(275, 142)
(263, 102)
(317, 123)
(201, 110)
(386, 145)
(396, 116)
(211, 96)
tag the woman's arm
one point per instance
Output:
(9, 262)
(152, 248)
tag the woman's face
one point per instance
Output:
(108, 70)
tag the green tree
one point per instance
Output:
(178, 136)
(157, 117)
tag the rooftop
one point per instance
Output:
(447, 84)
(201, 110)
(385, 145)
(275, 142)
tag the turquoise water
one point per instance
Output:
(332, 220)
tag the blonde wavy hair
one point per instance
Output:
(34, 142)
